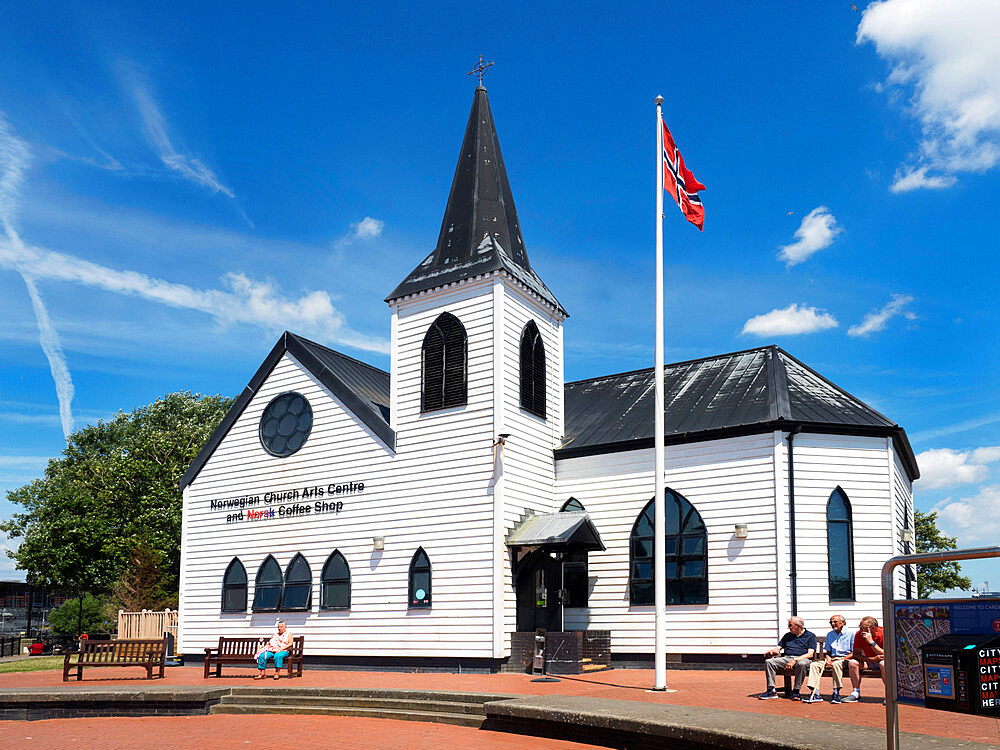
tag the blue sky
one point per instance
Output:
(178, 185)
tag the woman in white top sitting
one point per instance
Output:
(277, 649)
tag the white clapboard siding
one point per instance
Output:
(858, 466)
(902, 490)
(431, 492)
(528, 466)
(728, 481)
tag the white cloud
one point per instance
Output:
(816, 232)
(913, 178)
(974, 520)
(366, 229)
(944, 467)
(155, 128)
(878, 319)
(29, 463)
(945, 56)
(14, 158)
(242, 300)
(790, 321)
(952, 429)
(52, 346)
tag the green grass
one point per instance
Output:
(35, 664)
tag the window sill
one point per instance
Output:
(334, 609)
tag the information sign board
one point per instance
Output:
(919, 622)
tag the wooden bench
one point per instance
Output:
(240, 651)
(866, 670)
(146, 653)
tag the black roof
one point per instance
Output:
(363, 389)
(480, 231)
(752, 391)
(746, 392)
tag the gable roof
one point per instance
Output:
(480, 232)
(752, 391)
(361, 388)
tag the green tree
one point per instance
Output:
(936, 576)
(113, 491)
(143, 584)
(68, 619)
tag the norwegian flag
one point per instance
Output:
(680, 183)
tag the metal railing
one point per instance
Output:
(889, 624)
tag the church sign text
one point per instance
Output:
(285, 503)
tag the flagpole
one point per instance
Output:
(659, 561)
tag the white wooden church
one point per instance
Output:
(423, 517)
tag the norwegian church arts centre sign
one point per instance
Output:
(286, 503)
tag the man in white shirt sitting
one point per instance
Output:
(839, 646)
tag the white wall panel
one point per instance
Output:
(433, 491)
(728, 481)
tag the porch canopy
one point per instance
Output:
(567, 532)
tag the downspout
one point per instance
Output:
(793, 573)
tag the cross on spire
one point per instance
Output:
(480, 70)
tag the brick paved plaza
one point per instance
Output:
(729, 690)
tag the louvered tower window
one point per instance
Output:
(234, 587)
(840, 547)
(335, 585)
(444, 364)
(532, 370)
(686, 554)
(298, 585)
(267, 589)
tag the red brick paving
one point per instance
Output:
(733, 691)
(229, 732)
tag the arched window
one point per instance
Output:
(532, 370)
(840, 547)
(335, 583)
(420, 579)
(298, 585)
(572, 506)
(686, 554)
(267, 589)
(443, 362)
(234, 587)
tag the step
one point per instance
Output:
(281, 691)
(465, 720)
(348, 701)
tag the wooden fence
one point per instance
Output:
(147, 624)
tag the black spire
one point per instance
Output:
(480, 231)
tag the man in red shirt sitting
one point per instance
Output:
(867, 650)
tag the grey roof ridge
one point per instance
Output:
(675, 364)
(837, 388)
(287, 342)
(347, 395)
(339, 353)
(779, 400)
